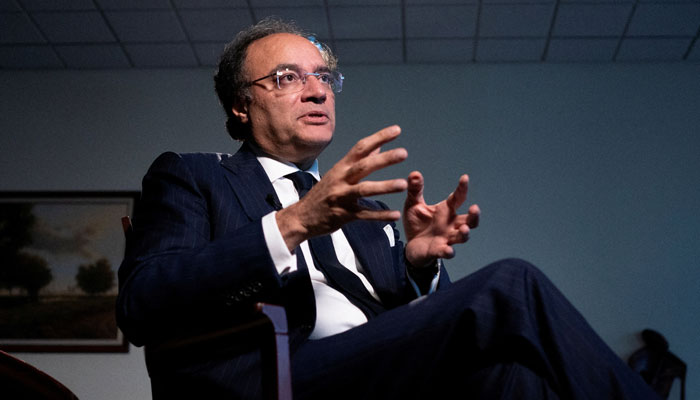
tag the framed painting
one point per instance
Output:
(59, 253)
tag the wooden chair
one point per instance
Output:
(265, 328)
(657, 365)
(20, 380)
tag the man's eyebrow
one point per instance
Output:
(281, 67)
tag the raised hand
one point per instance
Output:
(332, 202)
(431, 230)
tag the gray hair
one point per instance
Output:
(230, 80)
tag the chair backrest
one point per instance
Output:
(20, 380)
(274, 343)
(126, 225)
(658, 366)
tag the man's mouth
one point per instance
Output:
(315, 117)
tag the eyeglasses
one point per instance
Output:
(292, 81)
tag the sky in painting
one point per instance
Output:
(70, 233)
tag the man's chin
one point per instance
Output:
(317, 137)
(310, 147)
(315, 147)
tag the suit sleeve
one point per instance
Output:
(408, 285)
(175, 275)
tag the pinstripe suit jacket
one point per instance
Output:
(198, 256)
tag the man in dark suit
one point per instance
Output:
(369, 316)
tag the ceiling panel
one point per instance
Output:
(381, 22)
(581, 49)
(215, 25)
(592, 19)
(364, 2)
(285, 3)
(134, 4)
(74, 27)
(441, 21)
(146, 26)
(47, 34)
(166, 55)
(312, 19)
(58, 5)
(439, 2)
(353, 52)
(518, 1)
(600, 1)
(510, 50)
(652, 49)
(512, 20)
(433, 51)
(210, 3)
(208, 53)
(694, 52)
(665, 20)
(29, 57)
(10, 6)
(18, 28)
(93, 56)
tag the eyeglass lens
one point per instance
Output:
(291, 81)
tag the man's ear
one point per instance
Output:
(240, 110)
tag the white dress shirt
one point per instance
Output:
(334, 312)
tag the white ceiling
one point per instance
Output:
(108, 34)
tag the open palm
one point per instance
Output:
(431, 230)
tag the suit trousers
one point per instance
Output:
(503, 332)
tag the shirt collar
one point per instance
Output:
(276, 169)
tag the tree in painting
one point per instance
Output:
(95, 278)
(19, 269)
(32, 274)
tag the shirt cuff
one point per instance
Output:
(433, 282)
(283, 259)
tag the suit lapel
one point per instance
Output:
(250, 183)
(258, 198)
(371, 247)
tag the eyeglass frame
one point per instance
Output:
(334, 75)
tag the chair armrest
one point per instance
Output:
(265, 328)
(20, 380)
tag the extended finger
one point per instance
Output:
(415, 189)
(378, 215)
(456, 198)
(373, 188)
(471, 219)
(371, 143)
(473, 216)
(373, 162)
(459, 235)
(446, 252)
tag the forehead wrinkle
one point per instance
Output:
(296, 67)
(268, 46)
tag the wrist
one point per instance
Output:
(416, 258)
(423, 276)
(423, 266)
(290, 226)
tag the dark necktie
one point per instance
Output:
(326, 261)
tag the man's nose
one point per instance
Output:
(314, 90)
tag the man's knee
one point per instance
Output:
(508, 380)
(516, 268)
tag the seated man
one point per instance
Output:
(369, 316)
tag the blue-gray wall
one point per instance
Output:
(592, 172)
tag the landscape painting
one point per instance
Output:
(59, 253)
